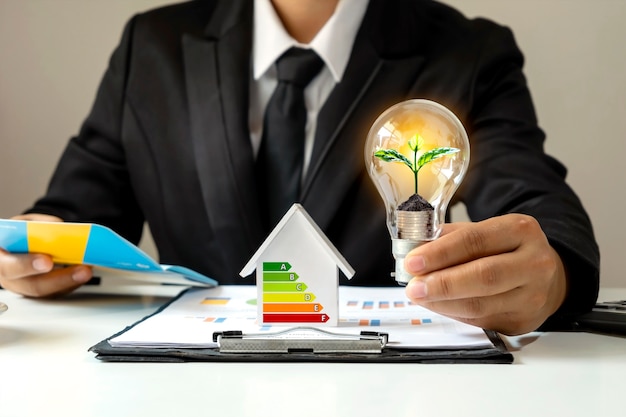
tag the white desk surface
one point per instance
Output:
(46, 370)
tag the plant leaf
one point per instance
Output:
(416, 142)
(435, 154)
(392, 155)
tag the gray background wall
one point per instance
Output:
(53, 53)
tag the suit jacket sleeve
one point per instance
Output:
(510, 172)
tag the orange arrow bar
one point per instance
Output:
(292, 307)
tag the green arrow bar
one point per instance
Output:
(276, 266)
(303, 297)
(280, 276)
(284, 287)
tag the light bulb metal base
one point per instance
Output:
(414, 229)
(400, 248)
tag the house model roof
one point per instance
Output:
(313, 232)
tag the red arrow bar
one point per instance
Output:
(295, 318)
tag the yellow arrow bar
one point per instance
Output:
(277, 297)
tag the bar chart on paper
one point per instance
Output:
(286, 298)
(383, 312)
(191, 320)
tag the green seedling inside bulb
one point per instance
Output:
(416, 143)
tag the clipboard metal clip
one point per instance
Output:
(300, 340)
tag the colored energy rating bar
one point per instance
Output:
(280, 276)
(286, 297)
(295, 318)
(297, 307)
(284, 287)
(276, 266)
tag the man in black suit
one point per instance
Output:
(176, 127)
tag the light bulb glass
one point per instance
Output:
(416, 147)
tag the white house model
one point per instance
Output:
(297, 273)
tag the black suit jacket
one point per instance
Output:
(167, 140)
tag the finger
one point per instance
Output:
(447, 228)
(504, 313)
(479, 278)
(14, 266)
(463, 243)
(57, 282)
(476, 307)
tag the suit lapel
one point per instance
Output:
(370, 85)
(217, 71)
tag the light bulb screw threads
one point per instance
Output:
(400, 248)
(414, 229)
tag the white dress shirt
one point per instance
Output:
(333, 44)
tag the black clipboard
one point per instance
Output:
(497, 354)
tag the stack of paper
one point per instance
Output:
(119, 266)
(190, 320)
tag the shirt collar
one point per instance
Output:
(333, 43)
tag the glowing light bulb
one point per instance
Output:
(417, 153)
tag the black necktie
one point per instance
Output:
(281, 154)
